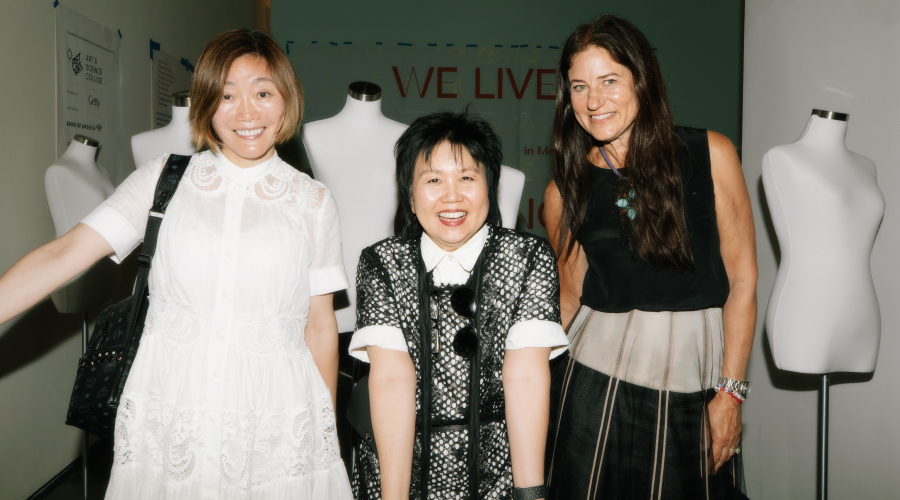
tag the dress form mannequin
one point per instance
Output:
(353, 154)
(75, 186)
(823, 315)
(173, 138)
(509, 194)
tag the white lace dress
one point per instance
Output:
(224, 400)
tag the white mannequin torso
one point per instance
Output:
(823, 315)
(75, 186)
(173, 138)
(353, 154)
(509, 194)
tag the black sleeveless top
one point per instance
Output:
(619, 280)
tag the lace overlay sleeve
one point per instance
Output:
(540, 291)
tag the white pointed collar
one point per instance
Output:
(466, 256)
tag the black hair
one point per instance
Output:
(460, 130)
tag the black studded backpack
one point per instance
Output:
(103, 369)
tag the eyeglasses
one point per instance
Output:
(465, 343)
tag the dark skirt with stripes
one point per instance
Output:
(629, 408)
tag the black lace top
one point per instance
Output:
(519, 283)
(619, 280)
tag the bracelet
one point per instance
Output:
(531, 493)
(739, 387)
(736, 395)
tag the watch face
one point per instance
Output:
(741, 386)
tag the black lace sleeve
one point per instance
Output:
(540, 290)
(375, 301)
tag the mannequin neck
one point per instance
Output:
(823, 132)
(180, 114)
(79, 155)
(361, 109)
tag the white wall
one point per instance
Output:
(39, 349)
(839, 56)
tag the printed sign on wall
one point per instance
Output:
(512, 87)
(168, 77)
(89, 87)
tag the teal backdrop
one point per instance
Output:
(500, 59)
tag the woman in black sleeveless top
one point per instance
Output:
(654, 233)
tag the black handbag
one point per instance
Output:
(359, 414)
(103, 369)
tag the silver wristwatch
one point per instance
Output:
(740, 387)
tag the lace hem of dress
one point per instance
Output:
(255, 449)
(282, 185)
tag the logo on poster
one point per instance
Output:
(77, 68)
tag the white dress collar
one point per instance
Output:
(464, 257)
(232, 171)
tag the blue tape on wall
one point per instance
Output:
(431, 44)
(187, 65)
(153, 46)
(55, 3)
(287, 47)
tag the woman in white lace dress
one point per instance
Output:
(231, 393)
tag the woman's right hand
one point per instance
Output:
(48, 267)
(392, 400)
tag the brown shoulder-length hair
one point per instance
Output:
(209, 81)
(658, 232)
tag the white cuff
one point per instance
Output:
(116, 230)
(327, 280)
(538, 333)
(386, 337)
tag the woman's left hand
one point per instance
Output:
(725, 429)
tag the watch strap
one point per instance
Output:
(531, 493)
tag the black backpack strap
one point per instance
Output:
(165, 187)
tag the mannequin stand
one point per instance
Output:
(823, 439)
(84, 442)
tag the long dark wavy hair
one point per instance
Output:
(462, 131)
(658, 232)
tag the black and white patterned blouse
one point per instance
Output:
(519, 283)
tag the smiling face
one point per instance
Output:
(449, 196)
(250, 113)
(603, 97)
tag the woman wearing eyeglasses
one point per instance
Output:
(454, 295)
